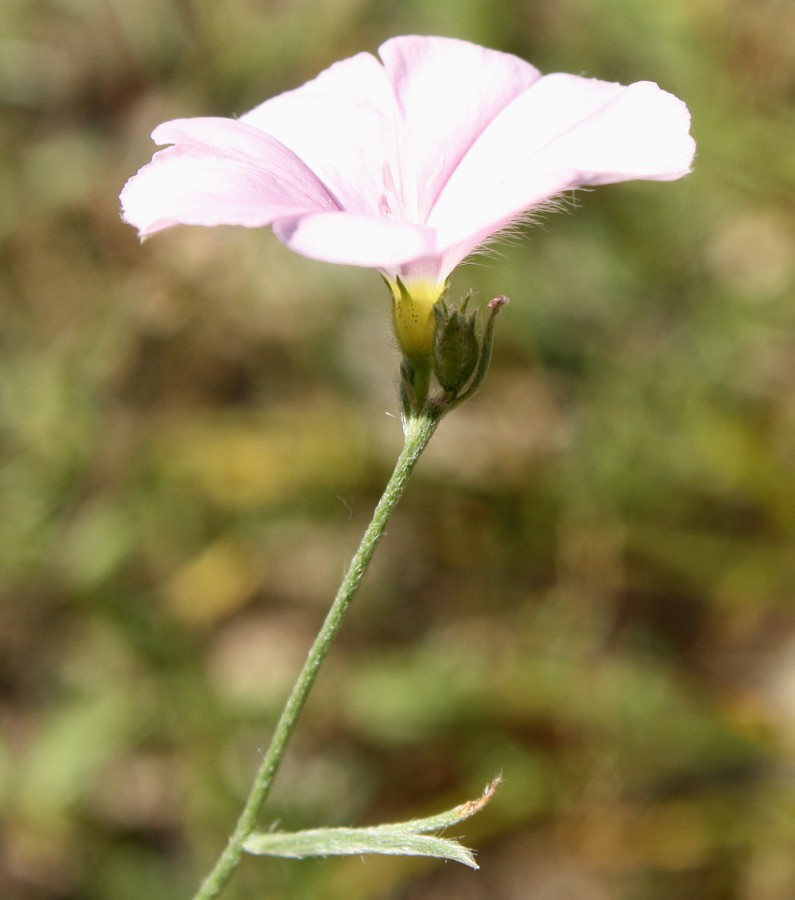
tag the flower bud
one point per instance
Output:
(456, 347)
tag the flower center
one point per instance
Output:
(390, 204)
(412, 317)
(396, 203)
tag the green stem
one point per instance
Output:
(419, 431)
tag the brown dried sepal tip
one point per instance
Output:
(497, 304)
(472, 807)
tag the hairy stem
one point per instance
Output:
(419, 430)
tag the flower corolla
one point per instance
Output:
(408, 163)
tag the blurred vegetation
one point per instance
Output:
(590, 583)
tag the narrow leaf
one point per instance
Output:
(401, 838)
(355, 841)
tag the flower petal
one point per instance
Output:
(447, 92)
(342, 124)
(219, 172)
(356, 240)
(640, 131)
(564, 132)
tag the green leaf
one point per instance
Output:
(401, 838)
(355, 841)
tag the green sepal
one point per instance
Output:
(456, 346)
(486, 346)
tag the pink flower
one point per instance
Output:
(408, 164)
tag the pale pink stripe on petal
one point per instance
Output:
(447, 92)
(342, 125)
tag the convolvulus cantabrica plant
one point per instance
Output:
(406, 165)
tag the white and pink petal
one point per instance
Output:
(219, 172)
(356, 240)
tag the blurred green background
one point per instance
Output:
(589, 584)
